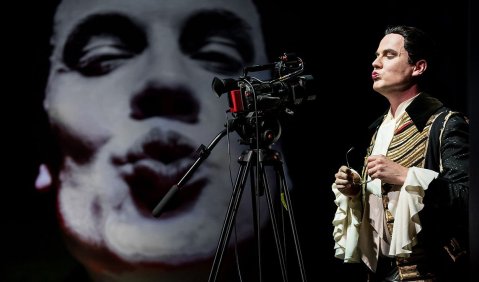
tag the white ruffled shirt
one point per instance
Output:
(353, 240)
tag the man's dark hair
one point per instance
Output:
(416, 42)
(420, 46)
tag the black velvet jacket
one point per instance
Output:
(445, 214)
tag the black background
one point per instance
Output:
(337, 42)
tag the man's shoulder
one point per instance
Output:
(445, 117)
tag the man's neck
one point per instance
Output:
(395, 99)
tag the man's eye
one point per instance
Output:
(220, 55)
(99, 54)
(219, 62)
(102, 59)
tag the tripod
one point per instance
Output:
(259, 185)
(264, 157)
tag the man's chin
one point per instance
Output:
(99, 259)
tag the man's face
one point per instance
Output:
(129, 97)
(392, 72)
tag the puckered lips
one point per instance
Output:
(154, 165)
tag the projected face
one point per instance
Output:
(129, 97)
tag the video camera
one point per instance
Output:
(249, 94)
(256, 104)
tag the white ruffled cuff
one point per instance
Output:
(346, 226)
(406, 220)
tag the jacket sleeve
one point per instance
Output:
(451, 188)
(446, 201)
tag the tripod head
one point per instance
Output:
(262, 131)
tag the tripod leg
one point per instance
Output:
(285, 190)
(279, 247)
(230, 216)
(255, 200)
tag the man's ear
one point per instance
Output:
(43, 182)
(419, 68)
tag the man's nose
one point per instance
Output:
(377, 62)
(171, 102)
(165, 91)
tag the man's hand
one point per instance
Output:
(380, 167)
(347, 181)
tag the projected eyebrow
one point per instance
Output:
(121, 31)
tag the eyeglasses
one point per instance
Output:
(347, 163)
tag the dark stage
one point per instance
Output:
(337, 44)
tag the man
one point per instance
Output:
(405, 218)
(129, 100)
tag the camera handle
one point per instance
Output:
(203, 152)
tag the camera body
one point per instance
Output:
(287, 89)
(256, 104)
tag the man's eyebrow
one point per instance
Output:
(386, 51)
(112, 24)
(217, 22)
